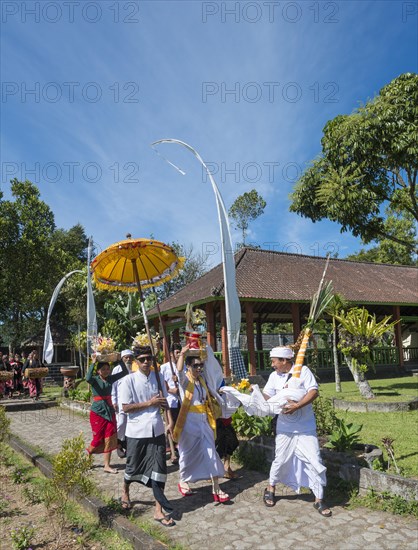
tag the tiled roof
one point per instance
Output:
(269, 275)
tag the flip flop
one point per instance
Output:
(321, 507)
(169, 521)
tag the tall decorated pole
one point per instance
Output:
(91, 307)
(48, 353)
(320, 302)
(232, 305)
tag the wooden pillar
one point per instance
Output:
(249, 317)
(210, 325)
(224, 339)
(295, 321)
(166, 341)
(176, 336)
(398, 334)
(259, 340)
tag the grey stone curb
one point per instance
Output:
(138, 538)
(360, 406)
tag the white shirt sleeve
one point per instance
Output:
(116, 385)
(125, 392)
(269, 388)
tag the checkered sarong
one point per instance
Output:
(236, 362)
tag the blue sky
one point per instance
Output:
(250, 85)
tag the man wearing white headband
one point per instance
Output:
(127, 357)
(297, 462)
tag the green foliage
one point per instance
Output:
(71, 467)
(344, 436)
(386, 502)
(246, 207)
(251, 458)
(4, 505)
(34, 255)
(250, 426)
(368, 164)
(4, 425)
(70, 470)
(80, 395)
(359, 333)
(22, 537)
(326, 419)
(20, 475)
(32, 495)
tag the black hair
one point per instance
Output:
(175, 347)
(101, 364)
(141, 350)
(190, 358)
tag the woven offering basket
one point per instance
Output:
(39, 372)
(5, 375)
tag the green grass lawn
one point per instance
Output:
(402, 426)
(385, 390)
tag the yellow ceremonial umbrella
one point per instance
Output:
(133, 265)
(132, 262)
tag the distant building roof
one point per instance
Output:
(278, 276)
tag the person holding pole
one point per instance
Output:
(142, 400)
(170, 375)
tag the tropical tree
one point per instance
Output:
(369, 164)
(336, 306)
(34, 255)
(245, 208)
(359, 333)
(195, 266)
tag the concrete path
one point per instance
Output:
(243, 523)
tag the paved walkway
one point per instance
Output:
(245, 522)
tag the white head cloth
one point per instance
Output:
(126, 352)
(282, 352)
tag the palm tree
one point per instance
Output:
(359, 334)
(337, 305)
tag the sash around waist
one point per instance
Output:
(201, 409)
(106, 398)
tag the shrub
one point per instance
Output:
(344, 436)
(251, 426)
(4, 425)
(326, 419)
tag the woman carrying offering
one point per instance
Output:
(102, 413)
(195, 429)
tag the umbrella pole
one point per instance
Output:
(144, 313)
(167, 352)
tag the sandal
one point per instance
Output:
(166, 521)
(269, 498)
(321, 507)
(126, 504)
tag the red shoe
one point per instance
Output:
(222, 497)
(184, 492)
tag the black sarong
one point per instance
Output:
(226, 439)
(145, 460)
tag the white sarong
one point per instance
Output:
(297, 463)
(198, 457)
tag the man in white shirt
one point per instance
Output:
(145, 451)
(297, 461)
(127, 357)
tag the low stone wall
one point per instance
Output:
(371, 406)
(79, 406)
(349, 468)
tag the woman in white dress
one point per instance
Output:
(195, 430)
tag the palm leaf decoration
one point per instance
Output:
(320, 301)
